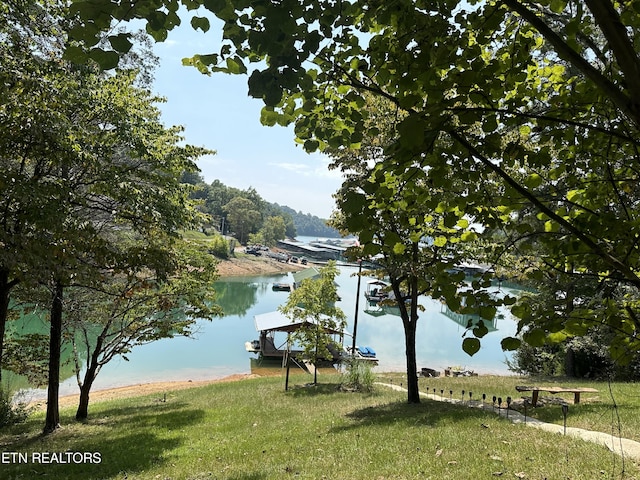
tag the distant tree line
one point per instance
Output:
(309, 225)
(245, 215)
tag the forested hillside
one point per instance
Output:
(309, 225)
(250, 218)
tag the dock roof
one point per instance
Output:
(311, 272)
(278, 322)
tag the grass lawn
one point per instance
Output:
(253, 429)
(614, 409)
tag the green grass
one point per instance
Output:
(614, 409)
(253, 429)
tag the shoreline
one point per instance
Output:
(239, 265)
(147, 388)
(242, 264)
(139, 389)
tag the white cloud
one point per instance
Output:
(298, 168)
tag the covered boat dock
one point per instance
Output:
(268, 324)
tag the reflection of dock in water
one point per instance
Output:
(265, 367)
(377, 309)
(469, 321)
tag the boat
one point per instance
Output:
(376, 309)
(362, 353)
(273, 324)
(377, 291)
(281, 287)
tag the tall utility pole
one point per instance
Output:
(355, 317)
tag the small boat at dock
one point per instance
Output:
(362, 353)
(377, 291)
(268, 346)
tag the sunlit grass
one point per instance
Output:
(253, 429)
(614, 409)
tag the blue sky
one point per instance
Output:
(218, 114)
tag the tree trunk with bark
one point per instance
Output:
(83, 405)
(410, 320)
(82, 413)
(5, 289)
(413, 392)
(52, 419)
(4, 311)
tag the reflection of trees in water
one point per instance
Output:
(236, 297)
(26, 354)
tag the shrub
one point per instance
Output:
(358, 375)
(11, 412)
(219, 247)
(545, 361)
(580, 357)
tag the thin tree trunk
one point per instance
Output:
(83, 405)
(89, 377)
(409, 321)
(4, 311)
(413, 391)
(52, 420)
(5, 290)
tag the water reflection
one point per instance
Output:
(438, 337)
(218, 349)
(236, 296)
(469, 320)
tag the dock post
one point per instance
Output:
(286, 382)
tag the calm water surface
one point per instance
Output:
(218, 349)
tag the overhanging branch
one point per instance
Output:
(597, 249)
(562, 48)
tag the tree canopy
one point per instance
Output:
(215, 196)
(413, 229)
(90, 178)
(533, 104)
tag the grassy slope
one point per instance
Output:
(615, 408)
(254, 430)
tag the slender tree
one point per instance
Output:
(132, 310)
(415, 228)
(313, 303)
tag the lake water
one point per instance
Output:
(218, 349)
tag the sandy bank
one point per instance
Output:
(142, 389)
(243, 264)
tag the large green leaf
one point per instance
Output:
(510, 343)
(120, 42)
(471, 346)
(106, 59)
(201, 23)
(535, 337)
(480, 330)
(412, 131)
